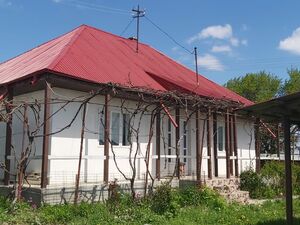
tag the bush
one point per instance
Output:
(165, 200)
(270, 182)
(252, 182)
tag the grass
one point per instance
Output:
(184, 207)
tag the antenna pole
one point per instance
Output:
(196, 64)
(138, 13)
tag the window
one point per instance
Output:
(126, 130)
(101, 128)
(221, 138)
(115, 128)
(118, 131)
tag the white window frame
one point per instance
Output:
(120, 128)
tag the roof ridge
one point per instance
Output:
(67, 47)
(112, 34)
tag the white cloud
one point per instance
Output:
(218, 32)
(234, 41)
(224, 33)
(292, 43)
(57, 1)
(221, 48)
(210, 62)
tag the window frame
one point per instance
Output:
(120, 130)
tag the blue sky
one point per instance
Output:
(233, 37)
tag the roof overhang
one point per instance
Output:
(275, 110)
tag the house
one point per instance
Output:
(95, 109)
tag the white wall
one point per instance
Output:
(65, 145)
(17, 131)
(246, 144)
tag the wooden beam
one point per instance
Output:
(106, 138)
(215, 144)
(80, 154)
(230, 143)
(8, 138)
(227, 130)
(257, 145)
(198, 159)
(177, 137)
(158, 118)
(209, 170)
(288, 171)
(46, 138)
(235, 145)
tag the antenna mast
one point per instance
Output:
(137, 14)
(196, 64)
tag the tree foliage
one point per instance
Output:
(292, 84)
(263, 86)
(256, 87)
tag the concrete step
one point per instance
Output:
(222, 181)
(34, 178)
(229, 188)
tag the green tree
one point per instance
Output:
(259, 87)
(256, 87)
(292, 84)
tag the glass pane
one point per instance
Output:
(115, 128)
(101, 129)
(220, 138)
(126, 127)
(169, 125)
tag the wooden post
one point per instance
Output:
(215, 146)
(158, 145)
(257, 145)
(209, 173)
(46, 138)
(80, 154)
(288, 171)
(198, 159)
(8, 138)
(235, 146)
(227, 130)
(106, 138)
(177, 112)
(230, 143)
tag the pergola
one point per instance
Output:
(285, 110)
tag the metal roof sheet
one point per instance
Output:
(87, 53)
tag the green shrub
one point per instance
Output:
(196, 196)
(270, 182)
(212, 199)
(252, 182)
(164, 200)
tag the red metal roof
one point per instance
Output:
(90, 54)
